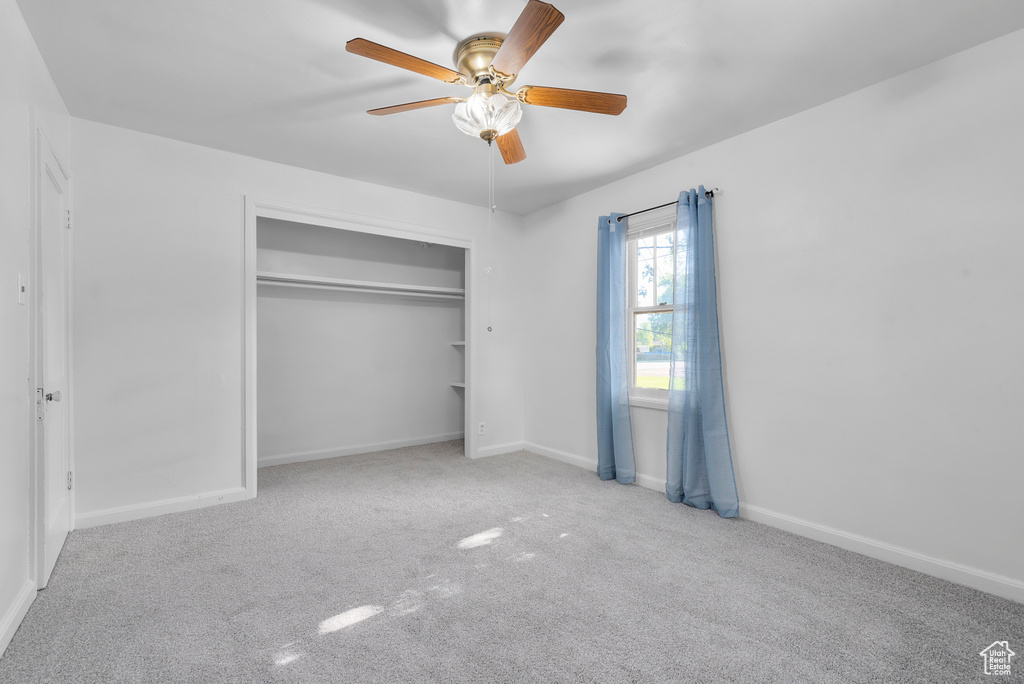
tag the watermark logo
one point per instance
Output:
(997, 658)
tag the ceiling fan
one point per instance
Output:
(489, 63)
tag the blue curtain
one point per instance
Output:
(614, 429)
(699, 470)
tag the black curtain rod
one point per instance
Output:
(707, 193)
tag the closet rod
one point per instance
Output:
(707, 193)
(425, 291)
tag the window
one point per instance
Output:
(651, 251)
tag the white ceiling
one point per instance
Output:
(271, 78)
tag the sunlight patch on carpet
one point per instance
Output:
(348, 618)
(409, 602)
(287, 654)
(446, 589)
(482, 538)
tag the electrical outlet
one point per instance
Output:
(480, 429)
(21, 290)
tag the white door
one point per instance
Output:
(53, 480)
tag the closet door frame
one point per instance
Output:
(256, 209)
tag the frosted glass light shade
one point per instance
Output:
(486, 115)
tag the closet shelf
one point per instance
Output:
(320, 283)
(459, 343)
(458, 384)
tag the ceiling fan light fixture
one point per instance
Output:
(487, 113)
(489, 63)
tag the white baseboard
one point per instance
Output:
(991, 583)
(498, 449)
(563, 456)
(975, 578)
(645, 481)
(153, 508)
(16, 613)
(648, 482)
(319, 454)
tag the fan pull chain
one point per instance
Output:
(490, 210)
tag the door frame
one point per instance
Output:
(40, 145)
(256, 209)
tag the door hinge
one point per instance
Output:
(67, 216)
(69, 479)
(40, 404)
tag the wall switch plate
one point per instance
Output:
(480, 429)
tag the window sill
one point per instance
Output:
(649, 402)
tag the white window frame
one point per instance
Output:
(652, 223)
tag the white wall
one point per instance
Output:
(158, 310)
(870, 287)
(24, 83)
(342, 372)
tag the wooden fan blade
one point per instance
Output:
(580, 100)
(409, 106)
(381, 53)
(511, 147)
(534, 26)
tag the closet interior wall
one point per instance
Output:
(358, 367)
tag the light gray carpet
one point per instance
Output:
(418, 565)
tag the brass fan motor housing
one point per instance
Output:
(473, 57)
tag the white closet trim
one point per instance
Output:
(330, 218)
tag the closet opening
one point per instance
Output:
(356, 338)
